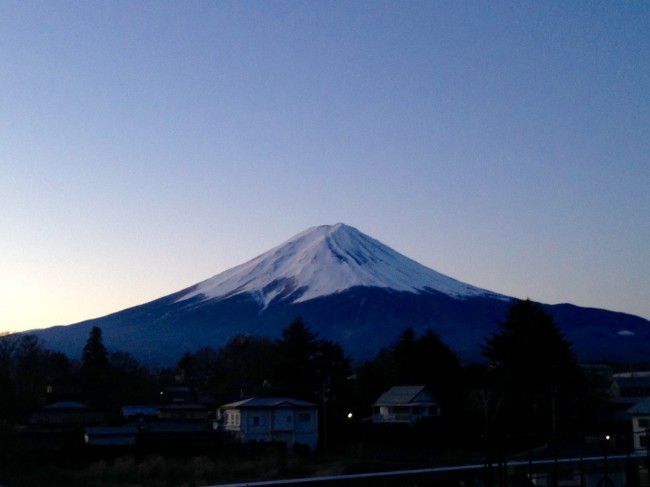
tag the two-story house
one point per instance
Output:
(268, 419)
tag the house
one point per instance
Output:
(183, 412)
(633, 384)
(66, 413)
(601, 379)
(404, 404)
(640, 414)
(272, 419)
(178, 394)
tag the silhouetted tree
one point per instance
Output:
(536, 370)
(297, 350)
(244, 367)
(308, 367)
(95, 370)
(131, 382)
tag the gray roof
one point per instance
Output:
(111, 430)
(400, 395)
(66, 405)
(139, 409)
(641, 407)
(268, 402)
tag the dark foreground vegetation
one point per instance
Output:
(530, 397)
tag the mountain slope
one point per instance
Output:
(348, 287)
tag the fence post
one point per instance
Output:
(647, 448)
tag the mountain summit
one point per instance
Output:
(349, 288)
(325, 260)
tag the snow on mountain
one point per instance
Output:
(325, 260)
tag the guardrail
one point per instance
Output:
(433, 470)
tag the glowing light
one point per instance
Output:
(349, 415)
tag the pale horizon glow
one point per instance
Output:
(147, 146)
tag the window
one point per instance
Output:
(644, 423)
(643, 440)
(304, 417)
(232, 418)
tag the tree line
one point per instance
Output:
(530, 380)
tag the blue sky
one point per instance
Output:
(145, 146)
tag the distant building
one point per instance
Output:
(140, 412)
(640, 414)
(110, 435)
(269, 419)
(601, 379)
(178, 394)
(633, 384)
(405, 404)
(183, 412)
(66, 413)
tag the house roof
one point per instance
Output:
(268, 402)
(111, 430)
(140, 410)
(632, 381)
(641, 407)
(66, 405)
(400, 395)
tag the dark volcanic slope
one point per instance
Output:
(362, 319)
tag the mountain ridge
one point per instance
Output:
(348, 287)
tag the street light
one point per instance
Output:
(350, 415)
(606, 469)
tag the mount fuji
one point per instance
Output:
(348, 287)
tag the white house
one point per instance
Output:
(265, 419)
(640, 413)
(404, 404)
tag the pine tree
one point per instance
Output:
(298, 352)
(95, 368)
(535, 367)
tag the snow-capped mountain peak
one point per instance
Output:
(325, 260)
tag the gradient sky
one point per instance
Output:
(147, 146)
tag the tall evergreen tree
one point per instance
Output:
(405, 355)
(297, 354)
(536, 369)
(95, 369)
